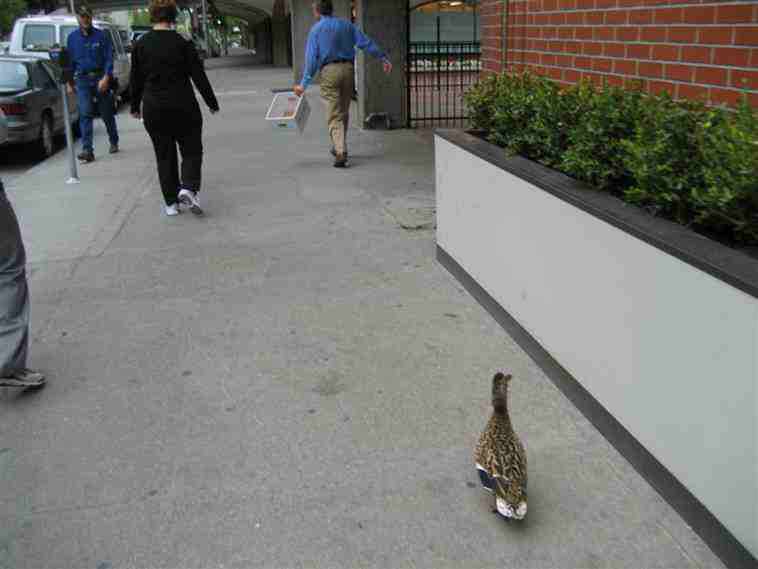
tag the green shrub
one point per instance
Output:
(525, 115)
(480, 101)
(729, 202)
(595, 153)
(664, 158)
(676, 159)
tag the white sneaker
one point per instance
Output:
(172, 210)
(189, 198)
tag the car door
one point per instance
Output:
(47, 94)
(126, 61)
(3, 128)
(55, 73)
(119, 58)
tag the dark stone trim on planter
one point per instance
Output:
(731, 266)
(721, 541)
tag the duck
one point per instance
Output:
(500, 456)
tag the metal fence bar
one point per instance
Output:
(438, 75)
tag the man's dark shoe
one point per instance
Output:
(113, 149)
(333, 152)
(23, 378)
(340, 161)
(86, 156)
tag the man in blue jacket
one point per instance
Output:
(330, 49)
(91, 56)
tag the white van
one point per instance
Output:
(35, 35)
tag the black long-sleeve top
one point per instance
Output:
(163, 62)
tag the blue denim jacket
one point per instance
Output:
(89, 53)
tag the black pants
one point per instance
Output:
(167, 129)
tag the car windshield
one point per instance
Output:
(65, 32)
(38, 37)
(14, 76)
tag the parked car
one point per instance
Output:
(125, 41)
(4, 47)
(30, 98)
(137, 34)
(35, 36)
(201, 51)
(3, 128)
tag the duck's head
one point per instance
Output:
(500, 392)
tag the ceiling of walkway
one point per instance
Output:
(250, 10)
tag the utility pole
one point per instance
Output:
(205, 28)
(73, 173)
(72, 7)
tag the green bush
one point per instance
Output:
(594, 153)
(525, 115)
(679, 160)
(664, 158)
(729, 201)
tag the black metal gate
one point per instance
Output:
(438, 75)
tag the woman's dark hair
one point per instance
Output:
(163, 11)
(325, 7)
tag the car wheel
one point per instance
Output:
(46, 142)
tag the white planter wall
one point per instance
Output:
(667, 349)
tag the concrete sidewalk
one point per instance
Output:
(291, 381)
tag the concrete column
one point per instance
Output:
(342, 9)
(281, 37)
(302, 22)
(262, 35)
(386, 23)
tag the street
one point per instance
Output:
(17, 159)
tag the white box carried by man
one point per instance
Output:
(288, 111)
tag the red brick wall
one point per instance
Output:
(691, 48)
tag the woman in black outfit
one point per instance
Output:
(163, 62)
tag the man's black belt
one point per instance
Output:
(92, 73)
(338, 61)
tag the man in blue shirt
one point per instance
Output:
(91, 56)
(330, 49)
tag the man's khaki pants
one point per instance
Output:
(337, 86)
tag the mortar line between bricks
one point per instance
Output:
(633, 59)
(650, 7)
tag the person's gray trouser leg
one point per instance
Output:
(14, 293)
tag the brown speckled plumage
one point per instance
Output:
(501, 453)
